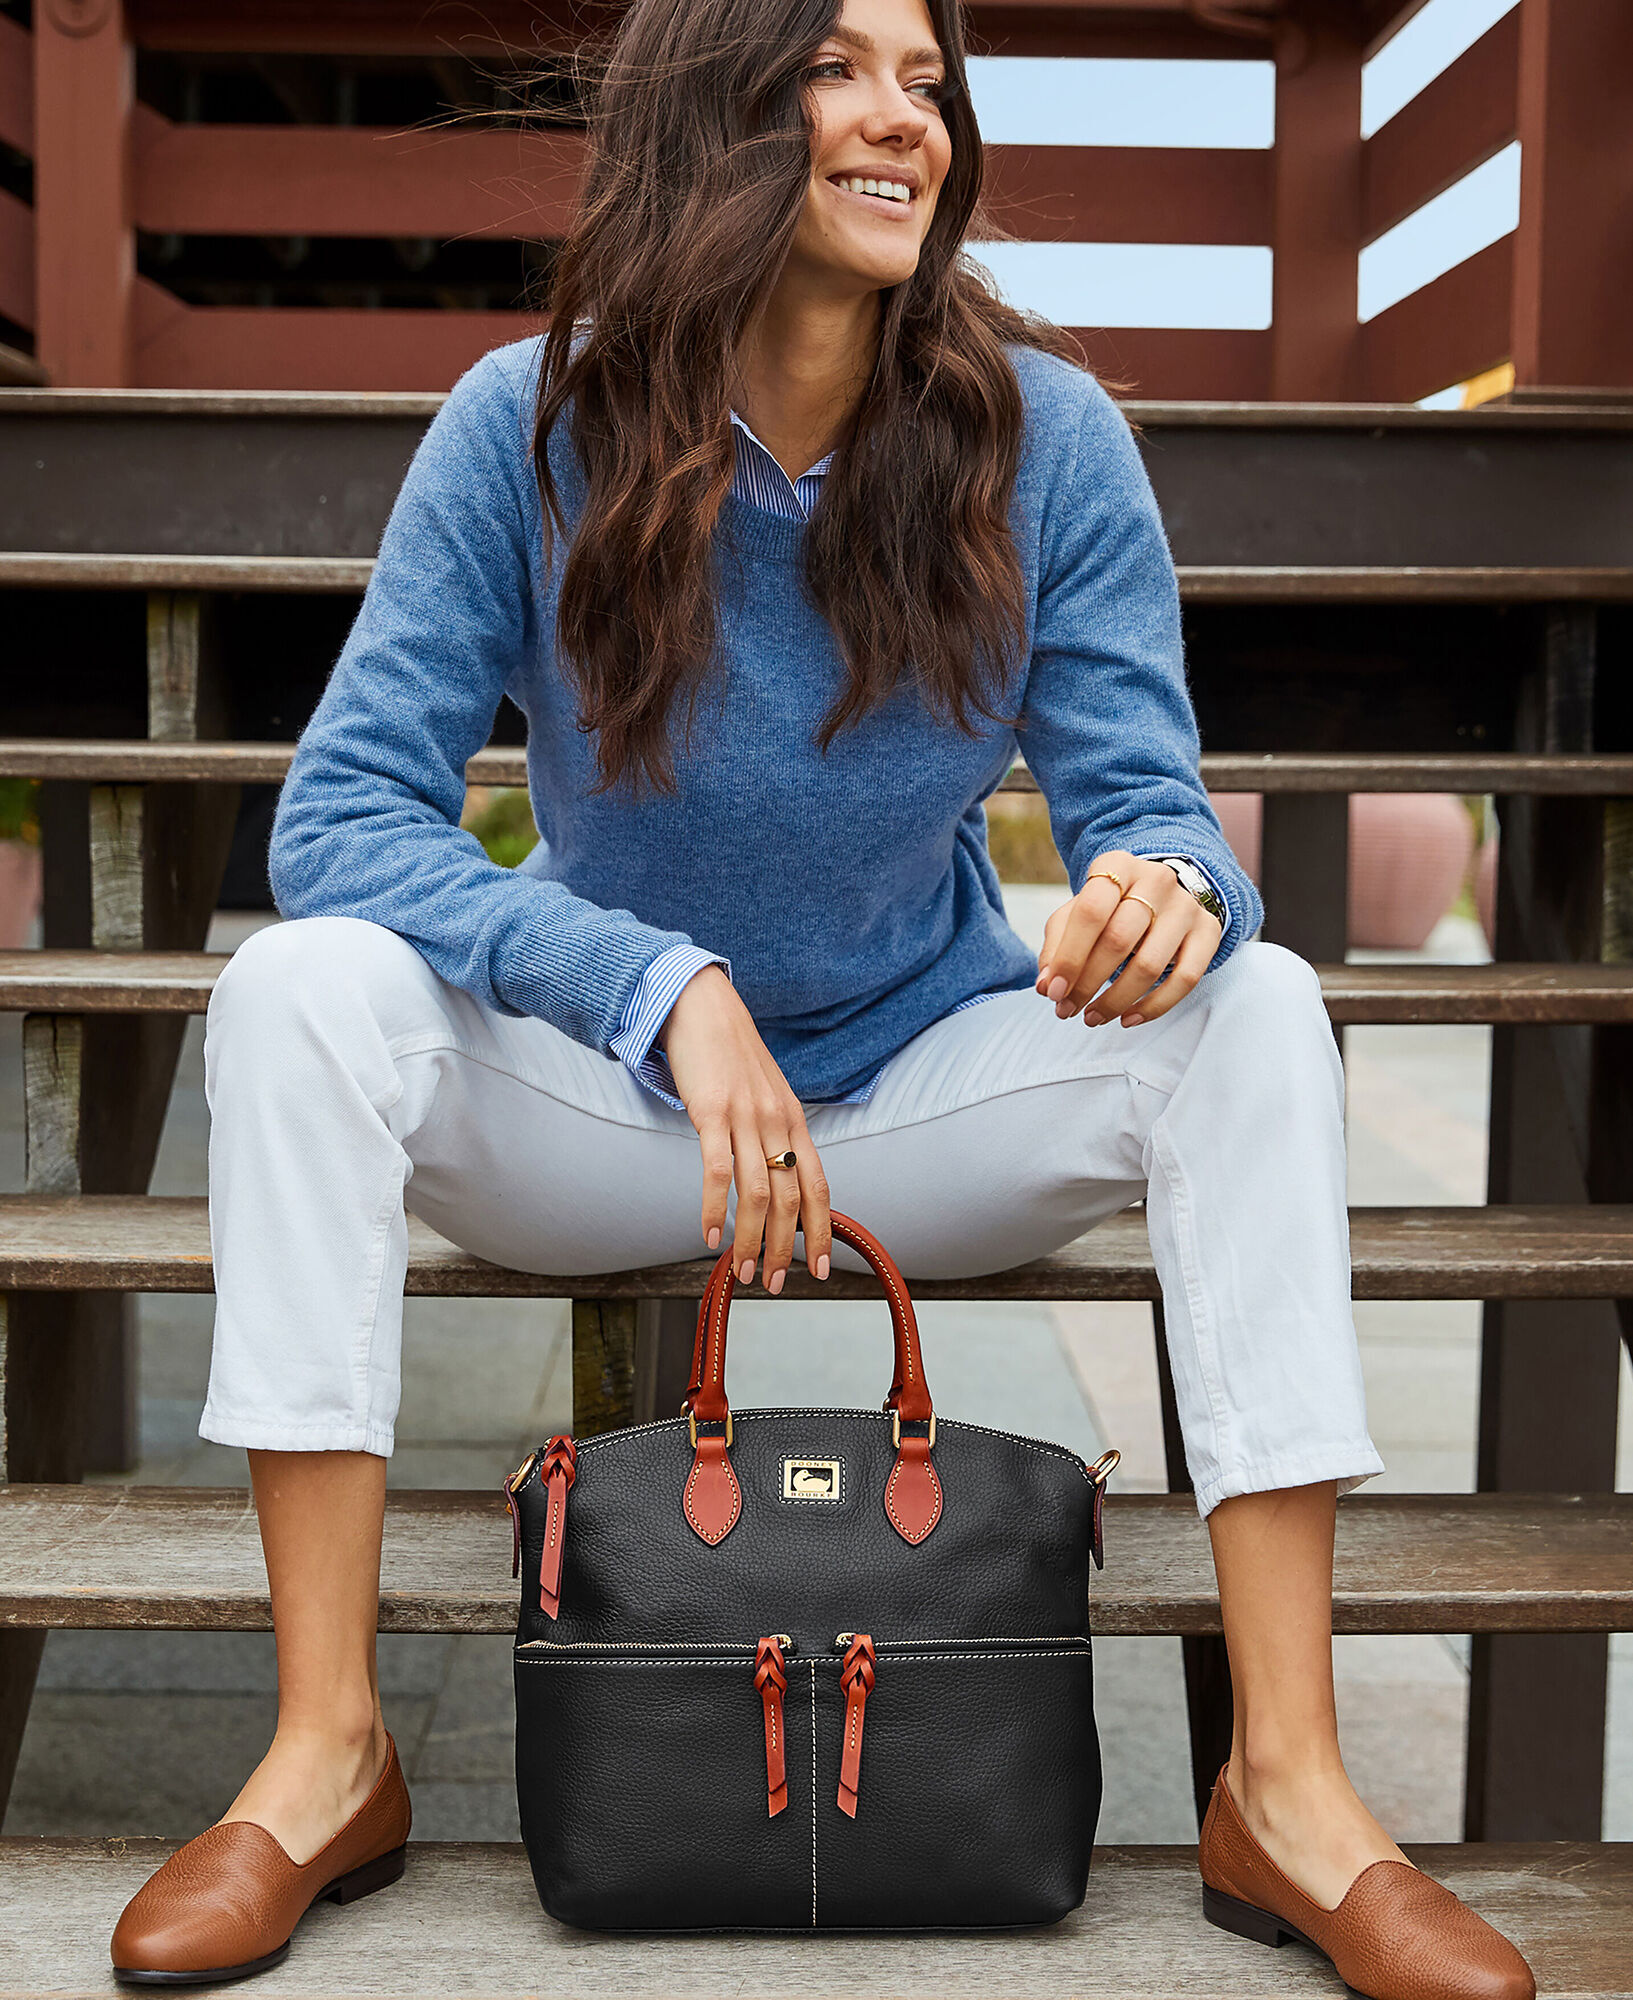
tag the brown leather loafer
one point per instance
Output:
(1397, 1935)
(225, 1905)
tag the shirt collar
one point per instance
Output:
(813, 472)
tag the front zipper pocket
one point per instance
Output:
(653, 1781)
(960, 1788)
(890, 1784)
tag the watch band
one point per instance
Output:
(1195, 883)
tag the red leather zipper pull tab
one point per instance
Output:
(856, 1678)
(771, 1678)
(558, 1471)
(513, 1486)
(1101, 1470)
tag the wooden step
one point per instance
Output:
(187, 1557)
(161, 1243)
(134, 760)
(180, 982)
(465, 1919)
(1199, 583)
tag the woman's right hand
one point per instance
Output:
(744, 1112)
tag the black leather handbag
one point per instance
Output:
(792, 1670)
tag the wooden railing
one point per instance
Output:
(106, 166)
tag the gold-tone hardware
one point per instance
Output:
(1104, 1466)
(812, 1479)
(843, 1638)
(691, 1425)
(521, 1472)
(896, 1429)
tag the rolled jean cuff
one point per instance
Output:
(1350, 1465)
(256, 1434)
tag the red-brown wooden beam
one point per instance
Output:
(16, 260)
(328, 180)
(1573, 251)
(509, 27)
(1452, 328)
(1181, 364)
(1130, 194)
(84, 89)
(16, 87)
(228, 347)
(1316, 234)
(1454, 124)
(333, 180)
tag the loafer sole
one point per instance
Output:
(1249, 1921)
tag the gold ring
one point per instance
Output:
(1106, 876)
(780, 1159)
(1128, 897)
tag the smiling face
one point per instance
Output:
(881, 149)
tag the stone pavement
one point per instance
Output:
(135, 1733)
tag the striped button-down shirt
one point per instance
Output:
(761, 481)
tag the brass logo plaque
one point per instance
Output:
(810, 1479)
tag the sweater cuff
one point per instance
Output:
(648, 1008)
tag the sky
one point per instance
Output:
(1066, 101)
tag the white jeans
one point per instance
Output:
(345, 1078)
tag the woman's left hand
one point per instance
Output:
(1126, 910)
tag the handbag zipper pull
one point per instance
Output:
(513, 1485)
(558, 1471)
(1101, 1470)
(856, 1677)
(771, 1678)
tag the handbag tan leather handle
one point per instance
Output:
(909, 1392)
(713, 1501)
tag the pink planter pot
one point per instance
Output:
(19, 892)
(1485, 887)
(1409, 856)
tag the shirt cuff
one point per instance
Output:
(648, 1008)
(1224, 901)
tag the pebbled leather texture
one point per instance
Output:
(641, 1779)
(646, 1791)
(233, 1896)
(1397, 1935)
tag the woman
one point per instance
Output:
(759, 746)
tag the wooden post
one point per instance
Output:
(1549, 1368)
(1574, 246)
(1316, 208)
(85, 256)
(1304, 875)
(632, 1359)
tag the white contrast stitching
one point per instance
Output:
(914, 1660)
(813, 1799)
(900, 1526)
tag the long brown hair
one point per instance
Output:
(700, 156)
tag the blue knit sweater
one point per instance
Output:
(852, 893)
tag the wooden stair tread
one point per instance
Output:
(135, 760)
(161, 1243)
(180, 982)
(169, 1557)
(465, 1919)
(1200, 583)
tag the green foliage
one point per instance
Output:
(503, 822)
(19, 810)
